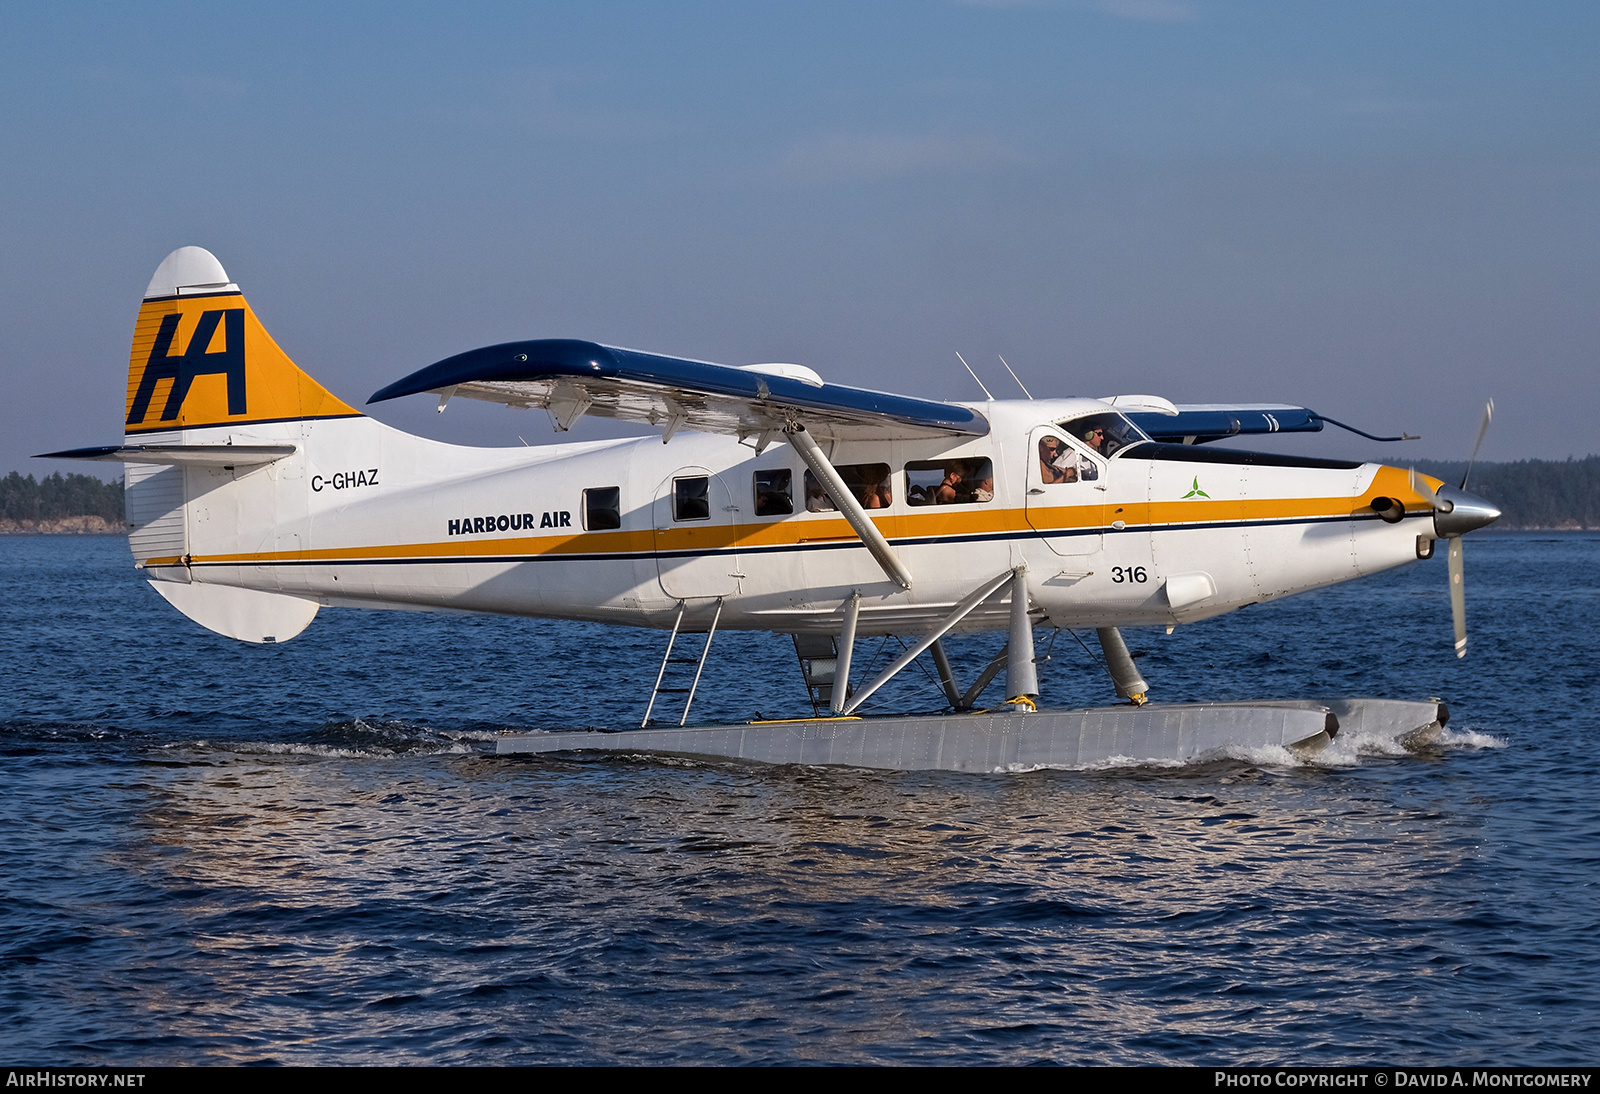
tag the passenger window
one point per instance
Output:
(602, 508)
(774, 493)
(950, 482)
(869, 482)
(691, 498)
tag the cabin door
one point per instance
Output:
(1066, 492)
(696, 525)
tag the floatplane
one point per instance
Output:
(762, 498)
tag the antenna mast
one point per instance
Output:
(1017, 378)
(974, 375)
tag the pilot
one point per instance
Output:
(1095, 438)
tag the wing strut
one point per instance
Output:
(844, 501)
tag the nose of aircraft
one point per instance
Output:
(1459, 512)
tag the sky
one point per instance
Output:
(1388, 212)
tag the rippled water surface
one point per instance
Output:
(308, 853)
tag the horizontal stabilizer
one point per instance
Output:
(572, 378)
(245, 614)
(209, 455)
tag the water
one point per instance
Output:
(219, 853)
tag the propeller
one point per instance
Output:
(1488, 413)
(1456, 512)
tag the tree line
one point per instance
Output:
(1531, 493)
(58, 496)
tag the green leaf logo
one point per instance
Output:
(1196, 492)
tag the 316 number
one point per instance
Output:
(1121, 574)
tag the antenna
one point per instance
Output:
(1017, 378)
(974, 375)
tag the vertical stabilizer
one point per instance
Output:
(201, 357)
(205, 375)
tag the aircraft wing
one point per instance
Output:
(571, 378)
(1197, 423)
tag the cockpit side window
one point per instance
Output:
(1060, 462)
(1104, 434)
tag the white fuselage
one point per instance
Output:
(363, 514)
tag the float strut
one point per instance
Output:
(847, 645)
(962, 610)
(1022, 677)
(1124, 673)
(984, 679)
(947, 678)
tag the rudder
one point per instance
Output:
(201, 358)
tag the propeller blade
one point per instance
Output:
(1458, 596)
(1488, 413)
(1442, 504)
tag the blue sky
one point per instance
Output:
(1386, 211)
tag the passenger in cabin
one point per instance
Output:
(949, 491)
(984, 491)
(877, 494)
(1060, 462)
(869, 483)
(1056, 462)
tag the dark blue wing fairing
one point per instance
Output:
(1197, 425)
(639, 386)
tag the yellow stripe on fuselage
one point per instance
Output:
(780, 533)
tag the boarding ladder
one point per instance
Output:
(699, 663)
(819, 666)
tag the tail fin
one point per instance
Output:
(201, 357)
(201, 361)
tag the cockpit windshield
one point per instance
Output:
(1107, 434)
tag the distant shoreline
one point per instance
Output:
(64, 526)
